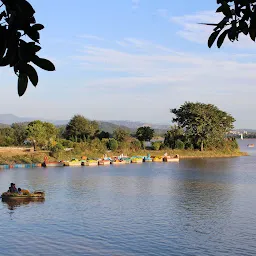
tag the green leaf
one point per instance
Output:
(43, 63)
(38, 26)
(222, 38)
(22, 84)
(212, 38)
(32, 74)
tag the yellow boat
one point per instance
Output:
(73, 162)
(137, 160)
(90, 163)
(14, 196)
(157, 159)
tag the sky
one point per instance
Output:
(133, 60)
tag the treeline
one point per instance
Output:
(198, 127)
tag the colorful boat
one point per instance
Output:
(127, 159)
(73, 162)
(147, 158)
(104, 162)
(118, 162)
(35, 194)
(53, 164)
(90, 163)
(157, 159)
(250, 145)
(175, 158)
(137, 160)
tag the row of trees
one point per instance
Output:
(198, 126)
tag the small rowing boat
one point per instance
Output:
(35, 195)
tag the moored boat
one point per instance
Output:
(104, 162)
(171, 159)
(52, 164)
(250, 145)
(73, 162)
(157, 159)
(118, 162)
(147, 158)
(137, 160)
(90, 163)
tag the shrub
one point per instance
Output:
(57, 148)
(179, 144)
(135, 145)
(156, 145)
(112, 144)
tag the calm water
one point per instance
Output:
(197, 207)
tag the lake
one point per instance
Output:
(197, 207)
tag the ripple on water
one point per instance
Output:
(197, 207)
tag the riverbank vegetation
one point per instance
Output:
(200, 131)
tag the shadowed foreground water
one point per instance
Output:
(197, 207)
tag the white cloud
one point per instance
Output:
(167, 78)
(91, 37)
(191, 30)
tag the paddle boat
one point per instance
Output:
(118, 162)
(53, 164)
(46, 163)
(157, 159)
(175, 158)
(90, 162)
(73, 162)
(104, 161)
(127, 159)
(147, 158)
(137, 159)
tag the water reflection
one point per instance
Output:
(12, 204)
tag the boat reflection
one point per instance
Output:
(12, 204)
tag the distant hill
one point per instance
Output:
(108, 126)
(10, 119)
(136, 125)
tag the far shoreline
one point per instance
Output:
(9, 158)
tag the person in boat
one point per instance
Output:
(19, 191)
(13, 188)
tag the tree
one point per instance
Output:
(20, 133)
(145, 133)
(156, 145)
(174, 134)
(16, 21)
(202, 122)
(120, 134)
(103, 135)
(7, 136)
(41, 133)
(112, 144)
(239, 18)
(80, 128)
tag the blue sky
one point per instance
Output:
(133, 60)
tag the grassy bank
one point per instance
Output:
(38, 157)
